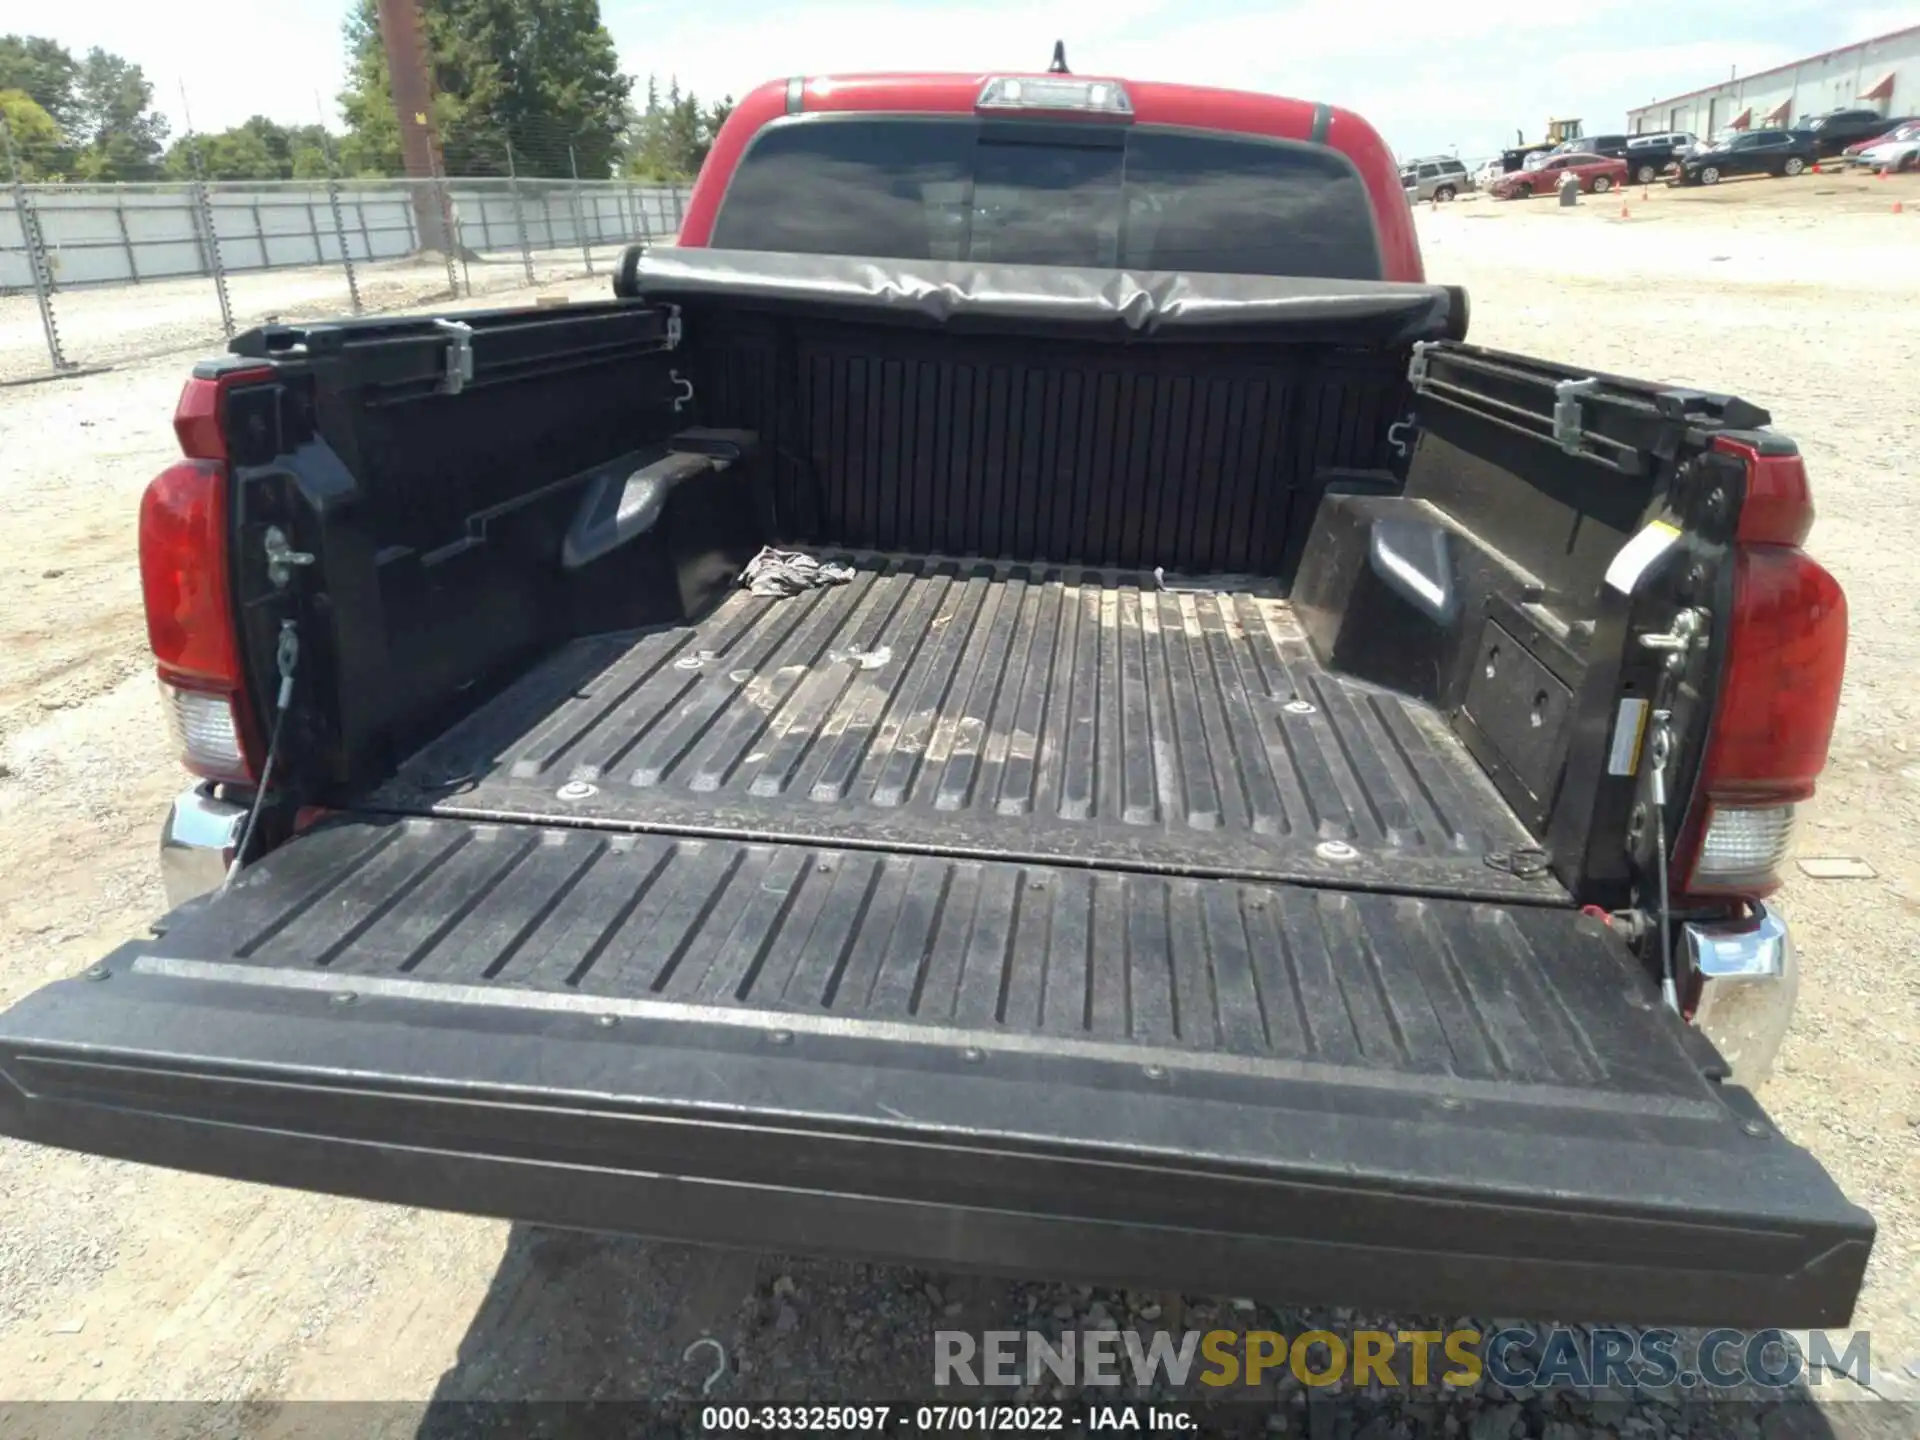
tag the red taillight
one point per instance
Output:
(1780, 691)
(186, 583)
(1785, 658)
(183, 573)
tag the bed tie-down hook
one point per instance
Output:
(685, 386)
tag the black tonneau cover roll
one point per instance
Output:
(967, 294)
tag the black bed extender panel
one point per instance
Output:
(1238, 1086)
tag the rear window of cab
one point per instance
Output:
(1049, 193)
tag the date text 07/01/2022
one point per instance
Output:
(934, 1419)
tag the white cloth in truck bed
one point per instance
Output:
(779, 573)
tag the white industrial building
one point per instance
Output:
(1881, 74)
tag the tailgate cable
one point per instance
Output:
(286, 656)
(1657, 786)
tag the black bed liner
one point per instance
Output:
(1254, 1088)
(1455, 990)
(949, 707)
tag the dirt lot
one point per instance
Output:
(118, 1282)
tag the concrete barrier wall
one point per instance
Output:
(125, 234)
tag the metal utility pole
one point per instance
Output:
(203, 212)
(579, 217)
(519, 213)
(36, 245)
(339, 220)
(411, 81)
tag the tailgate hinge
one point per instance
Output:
(282, 557)
(459, 356)
(1566, 411)
(1689, 632)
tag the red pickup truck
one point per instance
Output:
(1281, 800)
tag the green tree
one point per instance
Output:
(540, 76)
(312, 162)
(669, 140)
(38, 145)
(44, 70)
(102, 105)
(120, 136)
(258, 149)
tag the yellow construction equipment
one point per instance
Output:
(1558, 133)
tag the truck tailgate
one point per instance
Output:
(1241, 1086)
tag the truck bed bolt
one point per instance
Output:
(781, 1037)
(971, 1055)
(345, 997)
(1451, 1102)
(98, 972)
(1755, 1129)
(606, 1022)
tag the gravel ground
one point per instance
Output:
(120, 1283)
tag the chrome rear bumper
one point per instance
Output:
(1749, 980)
(197, 843)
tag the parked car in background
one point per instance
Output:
(1752, 152)
(1897, 156)
(1833, 132)
(1896, 130)
(1648, 156)
(1720, 137)
(1441, 178)
(1489, 173)
(1597, 173)
(1611, 147)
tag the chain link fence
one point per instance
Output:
(93, 275)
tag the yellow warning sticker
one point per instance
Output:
(1629, 729)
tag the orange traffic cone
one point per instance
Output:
(1625, 214)
(1898, 208)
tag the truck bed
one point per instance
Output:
(966, 708)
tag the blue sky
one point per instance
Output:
(1430, 76)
